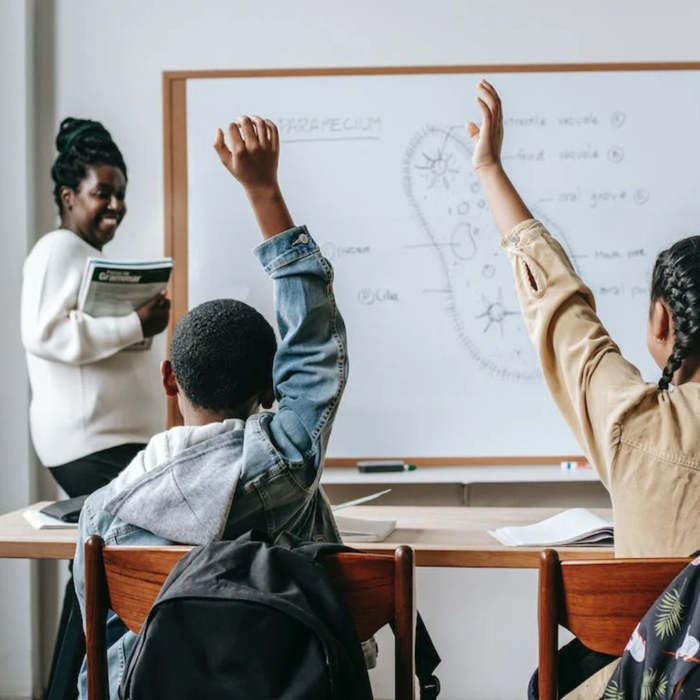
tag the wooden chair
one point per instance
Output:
(378, 589)
(600, 602)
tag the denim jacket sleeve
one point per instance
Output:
(311, 364)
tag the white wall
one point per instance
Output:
(483, 623)
(105, 62)
(18, 637)
(110, 55)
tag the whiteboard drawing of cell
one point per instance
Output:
(451, 210)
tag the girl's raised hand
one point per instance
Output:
(489, 138)
(253, 154)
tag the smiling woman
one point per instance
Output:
(93, 405)
(89, 413)
(97, 206)
(89, 181)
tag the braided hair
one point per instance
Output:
(676, 280)
(80, 144)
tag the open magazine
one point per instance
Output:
(573, 527)
(112, 288)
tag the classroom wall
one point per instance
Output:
(109, 63)
(17, 618)
(104, 59)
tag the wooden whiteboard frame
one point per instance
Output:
(175, 182)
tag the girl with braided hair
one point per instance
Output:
(93, 407)
(643, 439)
(674, 322)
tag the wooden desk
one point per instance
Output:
(440, 536)
(446, 536)
(19, 540)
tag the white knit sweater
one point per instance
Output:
(86, 395)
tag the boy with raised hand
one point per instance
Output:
(231, 468)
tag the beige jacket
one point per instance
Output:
(644, 443)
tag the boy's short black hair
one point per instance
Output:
(222, 353)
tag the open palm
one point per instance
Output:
(488, 138)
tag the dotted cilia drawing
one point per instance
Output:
(479, 297)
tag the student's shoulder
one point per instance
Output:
(170, 443)
(265, 445)
(97, 518)
(62, 238)
(665, 420)
(93, 518)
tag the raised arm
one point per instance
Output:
(311, 366)
(507, 207)
(592, 384)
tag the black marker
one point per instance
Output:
(384, 465)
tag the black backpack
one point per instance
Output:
(247, 619)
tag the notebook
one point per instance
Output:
(574, 527)
(67, 510)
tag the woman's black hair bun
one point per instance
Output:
(82, 143)
(72, 129)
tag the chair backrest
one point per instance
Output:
(377, 590)
(600, 602)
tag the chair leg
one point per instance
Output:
(548, 597)
(69, 651)
(96, 597)
(404, 623)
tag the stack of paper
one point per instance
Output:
(363, 529)
(41, 521)
(577, 526)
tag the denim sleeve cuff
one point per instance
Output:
(285, 248)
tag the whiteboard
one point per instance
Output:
(378, 167)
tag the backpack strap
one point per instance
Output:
(426, 656)
(427, 660)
